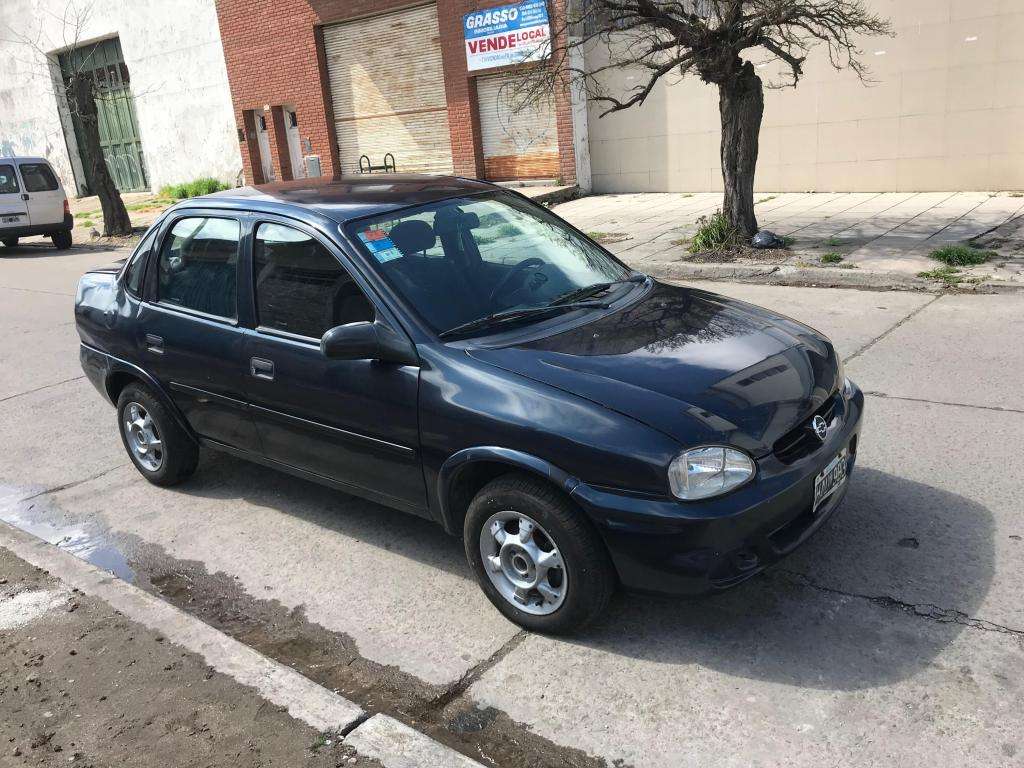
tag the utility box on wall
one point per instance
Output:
(312, 166)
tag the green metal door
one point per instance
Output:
(115, 107)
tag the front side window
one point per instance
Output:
(198, 266)
(38, 177)
(8, 180)
(301, 288)
(463, 259)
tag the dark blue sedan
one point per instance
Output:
(449, 348)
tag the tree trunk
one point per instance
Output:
(741, 106)
(115, 216)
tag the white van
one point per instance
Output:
(32, 202)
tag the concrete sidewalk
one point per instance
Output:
(886, 232)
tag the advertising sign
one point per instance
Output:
(508, 34)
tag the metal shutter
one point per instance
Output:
(387, 87)
(517, 145)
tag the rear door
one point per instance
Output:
(353, 421)
(188, 333)
(44, 192)
(13, 211)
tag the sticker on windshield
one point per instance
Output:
(380, 245)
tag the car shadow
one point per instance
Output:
(843, 612)
(829, 617)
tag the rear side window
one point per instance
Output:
(198, 266)
(301, 287)
(137, 266)
(8, 180)
(38, 177)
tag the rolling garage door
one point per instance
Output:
(387, 87)
(517, 144)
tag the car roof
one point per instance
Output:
(343, 198)
(23, 159)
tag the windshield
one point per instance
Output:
(467, 258)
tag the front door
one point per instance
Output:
(13, 212)
(294, 144)
(263, 140)
(353, 421)
(45, 196)
(188, 334)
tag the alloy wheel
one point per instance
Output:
(523, 562)
(142, 437)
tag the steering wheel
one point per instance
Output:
(517, 270)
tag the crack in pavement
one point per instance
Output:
(999, 408)
(40, 389)
(921, 610)
(886, 332)
(72, 484)
(479, 669)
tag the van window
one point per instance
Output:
(8, 180)
(38, 177)
(301, 287)
(198, 264)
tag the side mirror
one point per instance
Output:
(367, 341)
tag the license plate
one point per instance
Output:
(830, 479)
(9, 219)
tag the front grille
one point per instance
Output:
(801, 441)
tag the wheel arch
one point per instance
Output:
(122, 374)
(464, 473)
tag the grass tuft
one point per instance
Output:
(961, 255)
(195, 188)
(713, 233)
(949, 275)
(88, 223)
(831, 258)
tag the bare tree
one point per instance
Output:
(709, 38)
(77, 86)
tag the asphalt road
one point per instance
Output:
(895, 636)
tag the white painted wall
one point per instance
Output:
(946, 112)
(174, 55)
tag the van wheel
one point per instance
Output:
(536, 557)
(61, 240)
(10, 242)
(158, 447)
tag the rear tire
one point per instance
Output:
(10, 242)
(162, 451)
(61, 240)
(516, 572)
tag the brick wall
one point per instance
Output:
(274, 55)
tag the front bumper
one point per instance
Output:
(671, 547)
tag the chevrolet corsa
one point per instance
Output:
(451, 349)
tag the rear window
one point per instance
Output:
(8, 181)
(38, 177)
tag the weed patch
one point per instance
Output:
(713, 233)
(195, 188)
(961, 255)
(831, 258)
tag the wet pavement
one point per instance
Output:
(895, 636)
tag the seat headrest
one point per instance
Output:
(413, 236)
(451, 219)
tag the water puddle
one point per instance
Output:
(84, 540)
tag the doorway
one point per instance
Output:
(263, 141)
(291, 124)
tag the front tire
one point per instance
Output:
(536, 557)
(159, 448)
(61, 240)
(10, 242)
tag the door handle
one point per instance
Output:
(154, 344)
(24, 196)
(262, 369)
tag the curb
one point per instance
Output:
(813, 277)
(391, 742)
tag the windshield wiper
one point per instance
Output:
(497, 318)
(591, 290)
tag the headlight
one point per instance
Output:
(700, 473)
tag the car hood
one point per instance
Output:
(699, 367)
